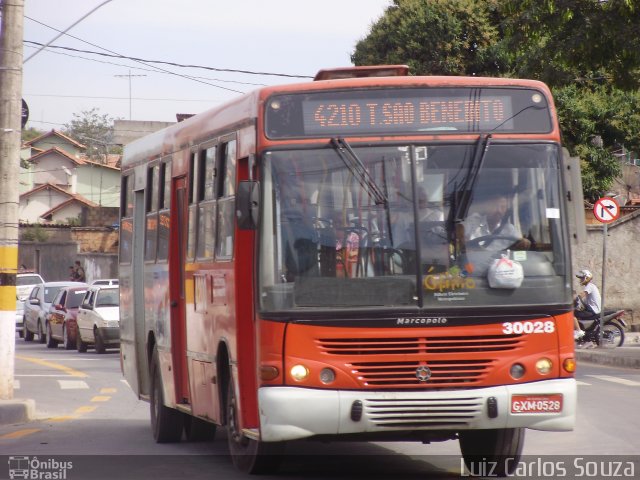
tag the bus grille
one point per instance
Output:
(447, 362)
(423, 413)
(404, 346)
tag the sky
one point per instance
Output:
(290, 37)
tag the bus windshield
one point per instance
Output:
(411, 226)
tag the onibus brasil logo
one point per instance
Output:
(38, 469)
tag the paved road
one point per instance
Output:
(84, 407)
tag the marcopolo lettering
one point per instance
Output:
(421, 321)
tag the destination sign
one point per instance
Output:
(407, 111)
(407, 115)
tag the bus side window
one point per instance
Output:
(151, 211)
(226, 189)
(164, 202)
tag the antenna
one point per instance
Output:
(129, 75)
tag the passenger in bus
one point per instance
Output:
(489, 223)
(300, 245)
(402, 223)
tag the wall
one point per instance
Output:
(621, 285)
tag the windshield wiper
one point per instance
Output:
(355, 166)
(469, 181)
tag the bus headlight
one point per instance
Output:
(299, 372)
(543, 366)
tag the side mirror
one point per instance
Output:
(34, 301)
(248, 204)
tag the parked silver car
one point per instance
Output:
(37, 306)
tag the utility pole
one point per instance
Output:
(10, 137)
(129, 75)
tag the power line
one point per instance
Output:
(138, 61)
(148, 69)
(173, 64)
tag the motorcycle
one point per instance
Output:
(613, 326)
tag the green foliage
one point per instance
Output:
(587, 51)
(29, 134)
(35, 234)
(433, 37)
(95, 131)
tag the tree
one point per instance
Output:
(560, 42)
(95, 131)
(433, 37)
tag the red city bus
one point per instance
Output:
(367, 256)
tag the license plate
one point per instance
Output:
(536, 403)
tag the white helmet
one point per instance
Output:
(585, 276)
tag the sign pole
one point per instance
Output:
(604, 262)
(606, 210)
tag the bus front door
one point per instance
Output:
(177, 289)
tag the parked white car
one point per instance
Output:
(25, 283)
(20, 317)
(105, 281)
(99, 318)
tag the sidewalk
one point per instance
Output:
(627, 356)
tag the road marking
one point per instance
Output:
(108, 390)
(19, 433)
(43, 375)
(101, 398)
(72, 384)
(123, 380)
(579, 382)
(622, 381)
(63, 418)
(85, 409)
(68, 370)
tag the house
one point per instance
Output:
(71, 181)
(49, 203)
(57, 139)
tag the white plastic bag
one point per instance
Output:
(505, 273)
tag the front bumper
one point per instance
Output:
(110, 335)
(289, 413)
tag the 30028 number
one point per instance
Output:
(518, 328)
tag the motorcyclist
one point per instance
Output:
(588, 302)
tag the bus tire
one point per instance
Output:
(492, 451)
(249, 455)
(198, 430)
(166, 423)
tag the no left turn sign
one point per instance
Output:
(606, 210)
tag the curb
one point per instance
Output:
(607, 358)
(17, 411)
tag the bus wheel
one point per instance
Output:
(249, 455)
(495, 452)
(198, 430)
(166, 423)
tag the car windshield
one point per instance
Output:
(410, 225)
(50, 293)
(74, 298)
(108, 298)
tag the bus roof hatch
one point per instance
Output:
(366, 71)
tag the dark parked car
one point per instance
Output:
(61, 320)
(36, 308)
